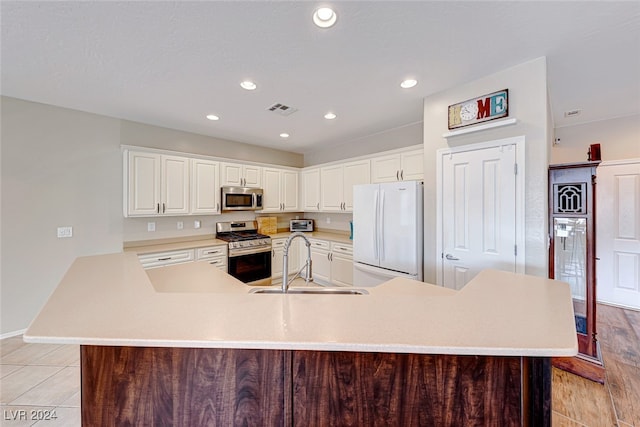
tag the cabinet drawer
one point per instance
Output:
(221, 263)
(320, 244)
(212, 252)
(341, 248)
(278, 243)
(160, 259)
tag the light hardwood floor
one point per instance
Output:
(41, 379)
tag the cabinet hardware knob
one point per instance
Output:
(397, 175)
(318, 206)
(164, 259)
(158, 208)
(163, 208)
(402, 174)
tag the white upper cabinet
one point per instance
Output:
(174, 176)
(280, 190)
(290, 190)
(311, 190)
(239, 175)
(337, 183)
(331, 188)
(404, 166)
(156, 184)
(205, 187)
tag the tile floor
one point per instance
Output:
(39, 384)
(37, 380)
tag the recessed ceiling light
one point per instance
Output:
(409, 83)
(330, 116)
(248, 85)
(324, 17)
(284, 135)
(212, 117)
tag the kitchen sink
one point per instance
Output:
(312, 291)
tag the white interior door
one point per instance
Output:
(618, 233)
(479, 211)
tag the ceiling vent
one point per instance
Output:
(283, 110)
(572, 113)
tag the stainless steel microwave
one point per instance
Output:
(241, 199)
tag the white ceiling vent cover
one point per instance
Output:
(283, 110)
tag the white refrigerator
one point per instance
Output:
(387, 232)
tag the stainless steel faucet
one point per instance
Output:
(285, 261)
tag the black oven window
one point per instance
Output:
(249, 268)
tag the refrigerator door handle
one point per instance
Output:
(375, 227)
(381, 225)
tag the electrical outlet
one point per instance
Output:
(196, 224)
(328, 220)
(65, 232)
(151, 226)
(180, 225)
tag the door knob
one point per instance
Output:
(451, 257)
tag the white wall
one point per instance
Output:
(59, 168)
(404, 136)
(63, 167)
(527, 84)
(619, 138)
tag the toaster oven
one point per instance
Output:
(301, 225)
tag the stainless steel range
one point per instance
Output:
(249, 251)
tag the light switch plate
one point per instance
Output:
(196, 224)
(151, 226)
(65, 232)
(180, 225)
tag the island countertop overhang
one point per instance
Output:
(110, 300)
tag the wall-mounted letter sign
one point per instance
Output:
(478, 110)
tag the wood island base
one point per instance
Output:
(224, 387)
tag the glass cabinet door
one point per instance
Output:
(570, 255)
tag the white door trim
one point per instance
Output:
(519, 142)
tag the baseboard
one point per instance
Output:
(12, 334)
(582, 365)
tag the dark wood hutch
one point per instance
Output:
(572, 257)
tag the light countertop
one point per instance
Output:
(174, 244)
(112, 300)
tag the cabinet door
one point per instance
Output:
(385, 169)
(205, 189)
(175, 185)
(320, 266)
(252, 176)
(277, 254)
(354, 173)
(231, 174)
(289, 190)
(143, 184)
(412, 165)
(341, 269)
(311, 190)
(331, 188)
(271, 198)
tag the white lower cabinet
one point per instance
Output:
(332, 263)
(214, 255)
(161, 259)
(320, 261)
(341, 264)
(277, 258)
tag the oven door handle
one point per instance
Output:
(248, 251)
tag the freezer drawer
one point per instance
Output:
(367, 276)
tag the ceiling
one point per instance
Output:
(171, 63)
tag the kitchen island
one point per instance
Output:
(189, 345)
